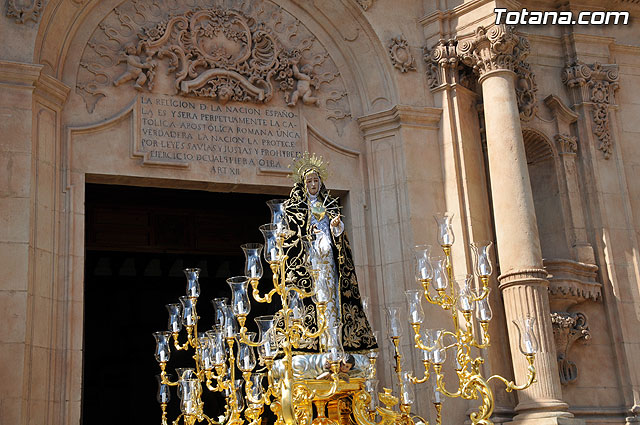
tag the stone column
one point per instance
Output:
(494, 54)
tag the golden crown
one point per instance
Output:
(309, 162)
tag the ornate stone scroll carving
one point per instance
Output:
(442, 62)
(401, 56)
(22, 13)
(498, 47)
(246, 54)
(597, 84)
(571, 282)
(365, 4)
(567, 329)
(566, 144)
(526, 91)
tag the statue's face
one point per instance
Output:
(312, 182)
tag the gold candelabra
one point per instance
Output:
(225, 361)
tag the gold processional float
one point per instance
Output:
(225, 353)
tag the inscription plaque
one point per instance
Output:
(226, 139)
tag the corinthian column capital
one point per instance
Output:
(497, 48)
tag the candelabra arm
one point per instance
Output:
(178, 419)
(440, 383)
(486, 338)
(388, 416)
(163, 376)
(426, 376)
(427, 295)
(186, 345)
(511, 385)
(256, 293)
(485, 289)
(335, 369)
(243, 338)
(470, 390)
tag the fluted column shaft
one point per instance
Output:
(494, 54)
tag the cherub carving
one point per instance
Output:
(303, 86)
(135, 68)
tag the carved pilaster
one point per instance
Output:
(400, 55)
(442, 62)
(493, 49)
(566, 144)
(567, 329)
(23, 11)
(594, 84)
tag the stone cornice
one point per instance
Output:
(19, 74)
(30, 77)
(52, 90)
(400, 115)
(555, 104)
(463, 9)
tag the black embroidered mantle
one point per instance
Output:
(356, 331)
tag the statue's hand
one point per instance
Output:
(337, 227)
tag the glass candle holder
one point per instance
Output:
(269, 345)
(528, 341)
(423, 268)
(407, 390)
(193, 286)
(483, 310)
(205, 352)
(445, 229)
(163, 351)
(278, 218)
(253, 263)
(240, 304)
(175, 317)
(218, 347)
(481, 258)
(164, 394)
(371, 387)
(414, 301)
(295, 304)
(465, 297)
(219, 306)
(188, 310)
(230, 323)
(246, 360)
(257, 390)
(335, 351)
(270, 233)
(440, 277)
(394, 323)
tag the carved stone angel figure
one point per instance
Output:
(313, 214)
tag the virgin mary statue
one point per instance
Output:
(314, 215)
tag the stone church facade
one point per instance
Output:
(529, 135)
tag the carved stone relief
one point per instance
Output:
(23, 11)
(566, 143)
(596, 84)
(498, 47)
(364, 4)
(401, 56)
(567, 329)
(246, 54)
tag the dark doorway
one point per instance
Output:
(138, 240)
